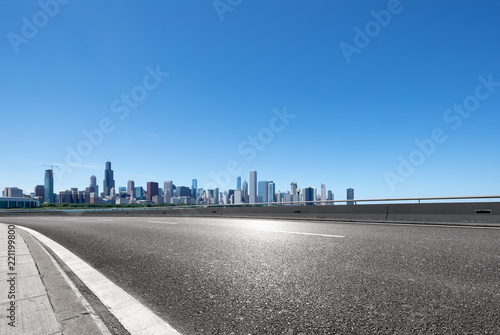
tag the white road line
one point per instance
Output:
(105, 219)
(300, 233)
(135, 317)
(163, 222)
(421, 225)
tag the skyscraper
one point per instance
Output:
(262, 191)
(49, 187)
(109, 182)
(350, 196)
(194, 188)
(271, 190)
(253, 187)
(152, 189)
(93, 185)
(216, 196)
(323, 194)
(244, 192)
(308, 194)
(238, 183)
(293, 192)
(168, 190)
(130, 188)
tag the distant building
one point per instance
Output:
(253, 187)
(293, 191)
(13, 192)
(183, 191)
(18, 203)
(131, 188)
(39, 191)
(238, 199)
(194, 189)
(168, 190)
(49, 187)
(271, 190)
(216, 196)
(308, 194)
(93, 184)
(158, 199)
(152, 190)
(350, 196)
(330, 197)
(323, 194)
(139, 191)
(244, 192)
(238, 183)
(262, 191)
(109, 181)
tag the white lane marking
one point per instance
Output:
(417, 225)
(300, 233)
(105, 219)
(69, 219)
(163, 222)
(135, 318)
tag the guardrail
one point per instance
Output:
(266, 204)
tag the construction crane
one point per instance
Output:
(51, 166)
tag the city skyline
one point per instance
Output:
(392, 98)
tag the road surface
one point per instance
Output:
(250, 276)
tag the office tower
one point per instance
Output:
(39, 190)
(49, 187)
(183, 191)
(112, 193)
(308, 195)
(262, 191)
(168, 189)
(152, 189)
(230, 197)
(293, 192)
(271, 190)
(330, 197)
(139, 193)
(109, 182)
(238, 199)
(238, 183)
(216, 196)
(253, 187)
(130, 188)
(13, 192)
(350, 196)
(244, 192)
(93, 184)
(323, 194)
(194, 189)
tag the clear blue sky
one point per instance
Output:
(359, 105)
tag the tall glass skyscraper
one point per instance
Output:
(262, 191)
(48, 196)
(238, 183)
(253, 187)
(194, 189)
(271, 191)
(93, 185)
(109, 182)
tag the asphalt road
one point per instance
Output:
(247, 276)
